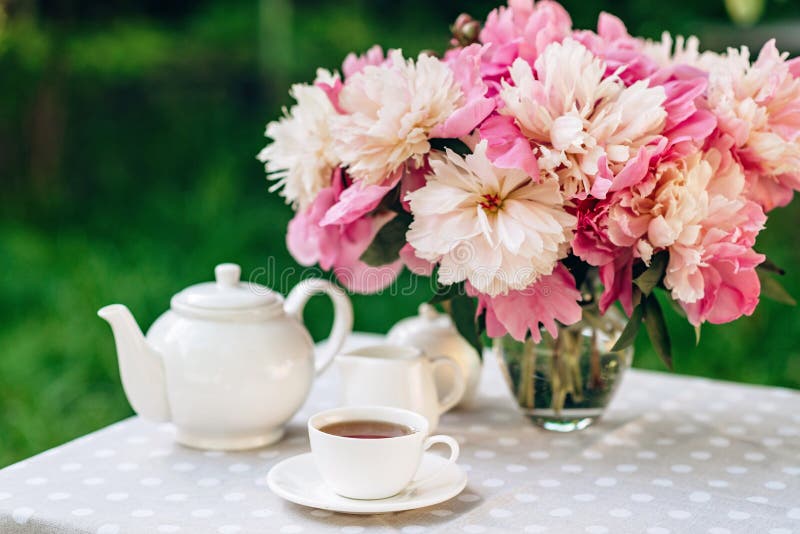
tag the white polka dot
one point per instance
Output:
(700, 455)
(82, 512)
(686, 429)
(353, 529)
(646, 455)
(183, 467)
(737, 515)
(718, 483)
(535, 529)
(736, 470)
(780, 531)
(36, 481)
(108, 528)
(413, 529)
(127, 466)
(234, 497)
(596, 529)
(758, 500)
(269, 454)
(794, 513)
(168, 528)
(657, 530)
(493, 482)
(794, 471)
(143, 512)
(699, 496)
(266, 513)
(679, 514)
(539, 455)
(590, 454)
(105, 453)
(93, 481)
(718, 530)
(500, 513)
(605, 482)
(571, 468)
(21, 515)
(442, 512)
(584, 497)
(150, 482)
(641, 497)
(117, 497)
(473, 529)
(484, 454)
(159, 453)
(619, 512)
(772, 442)
(209, 482)
(508, 442)
(71, 467)
(549, 483)
(58, 496)
(561, 512)
(719, 442)
(229, 529)
(526, 497)
(754, 457)
(516, 468)
(681, 468)
(468, 497)
(202, 512)
(662, 482)
(240, 468)
(479, 428)
(176, 497)
(775, 485)
(4, 495)
(665, 442)
(627, 468)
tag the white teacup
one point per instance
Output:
(373, 468)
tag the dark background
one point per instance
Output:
(128, 134)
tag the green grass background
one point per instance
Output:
(127, 139)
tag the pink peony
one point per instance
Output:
(339, 246)
(552, 298)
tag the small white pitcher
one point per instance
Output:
(398, 376)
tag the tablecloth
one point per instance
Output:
(673, 455)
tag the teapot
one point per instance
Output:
(435, 334)
(401, 377)
(229, 363)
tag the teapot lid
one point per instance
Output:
(227, 293)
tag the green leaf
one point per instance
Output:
(770, 267)
(445, 293)
(462, 310)
(649, 279)
(773, 290)
(657, 330)
(628, 335)
(456, 145)
(385, 248)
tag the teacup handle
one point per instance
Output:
(342, 315)
(454, 451)
(459, 384)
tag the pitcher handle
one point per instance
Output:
(459, 382)
(342, 315)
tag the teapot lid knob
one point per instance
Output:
(228, 274)
(427, 311)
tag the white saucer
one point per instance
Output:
(296, 479)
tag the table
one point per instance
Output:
(673, 455)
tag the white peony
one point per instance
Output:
(494, 227)
(301, 157)
(389, 111)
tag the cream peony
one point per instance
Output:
(389, 111)
(494, 227)
(301, 158)
(577, 117)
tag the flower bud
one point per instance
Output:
(465, 30)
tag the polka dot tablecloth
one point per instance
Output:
(673, 455)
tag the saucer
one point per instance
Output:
(296, 479)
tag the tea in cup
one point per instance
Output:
(372, 452)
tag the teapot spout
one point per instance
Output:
(141, 368)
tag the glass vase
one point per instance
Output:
(565, 383)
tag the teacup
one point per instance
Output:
(373, 467)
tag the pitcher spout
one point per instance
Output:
(141, 368)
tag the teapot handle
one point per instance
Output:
(342, 315)
(459, 382)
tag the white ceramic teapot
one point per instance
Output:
(229, 363)
(398, 376)
(435, 334)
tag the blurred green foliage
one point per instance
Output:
(128, 132)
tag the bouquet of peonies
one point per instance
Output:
(532, 159)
